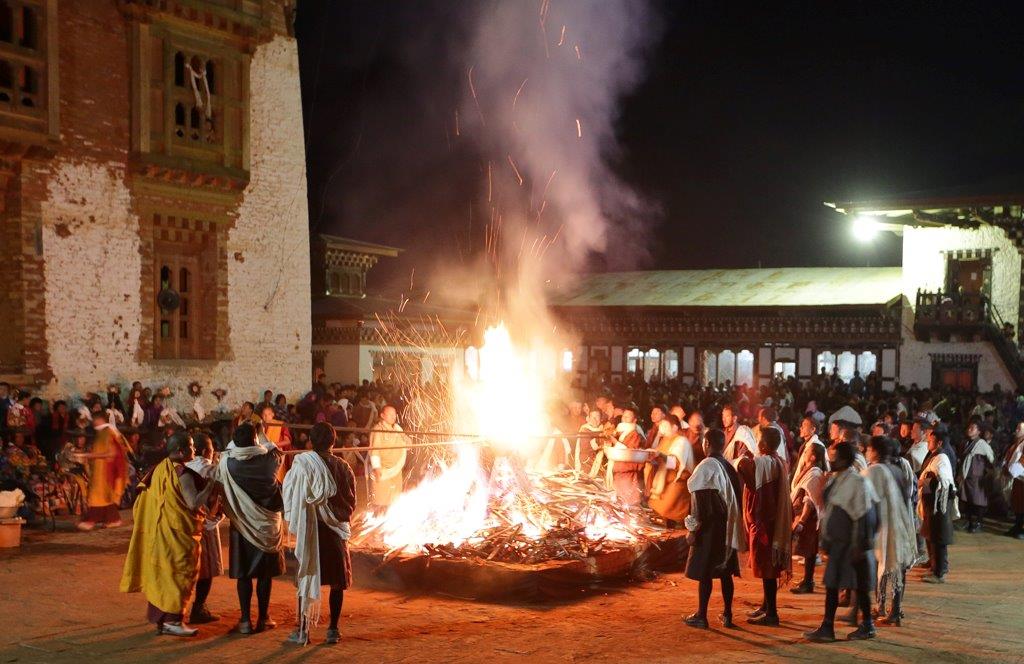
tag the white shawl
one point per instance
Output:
(307, 488)
(812, 480)
(745, 436)
(980, 448)
(896, 544)
(852, 493)
(941, 468)
(764, 470)
(138, 415)
(263, 528)
(709, 474)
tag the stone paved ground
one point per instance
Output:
(59, 603)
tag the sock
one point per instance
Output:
(245, 598)
(831, 605)
(202, 592)
(335, 600)
(727, 590)
(703, 596)
(771, 588)
(864, 604)
(263, 586)
(808, 571)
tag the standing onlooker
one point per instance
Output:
(320, 497)
(210, 564)
(252, 500)
(937, 503)
(108, 475)
(977, 461)
(847, 537)
(163, 555)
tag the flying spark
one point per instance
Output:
(476, 101)
(513, 164)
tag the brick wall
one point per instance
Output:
(86, 323)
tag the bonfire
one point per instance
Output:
(479, 500)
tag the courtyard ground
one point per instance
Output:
(59, 603)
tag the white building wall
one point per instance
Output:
(916, 363)
(93, 269)
(924, 267)
(351, 363)
(924, 263)
(341, 363)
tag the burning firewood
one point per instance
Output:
(532, 520)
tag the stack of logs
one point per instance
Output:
(560, 507)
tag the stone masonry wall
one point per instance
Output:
(92, 262)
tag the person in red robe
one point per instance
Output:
(768, 516)
(627, 475)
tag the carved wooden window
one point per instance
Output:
(26, 42)
(191, 100)
(185, 308)
(954, 371)
(345, 282)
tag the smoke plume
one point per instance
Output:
(543, 91)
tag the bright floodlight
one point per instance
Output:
(865, 228)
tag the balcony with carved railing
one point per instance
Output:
(943, 313)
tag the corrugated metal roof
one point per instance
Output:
(769, 287)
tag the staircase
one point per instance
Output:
(940, 314)
(1007, 348)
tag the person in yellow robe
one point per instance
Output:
(108, 475)
(163, 555)
(386, 464)
(276, 432)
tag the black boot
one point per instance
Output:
(805, 588)
(865, 631)
(201, 615)
(824, 634)
(696, 620)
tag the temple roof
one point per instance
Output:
(767, 287)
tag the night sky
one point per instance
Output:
(748, 118)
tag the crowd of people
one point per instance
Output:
(48, 448)
(873, 482)
(866, 482)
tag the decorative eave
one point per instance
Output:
(205, 178)
(997, 202)
(245, 29)
(778, 325)
(338, 243)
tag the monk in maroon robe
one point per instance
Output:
(768, 517)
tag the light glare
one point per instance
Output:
(865, 228)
